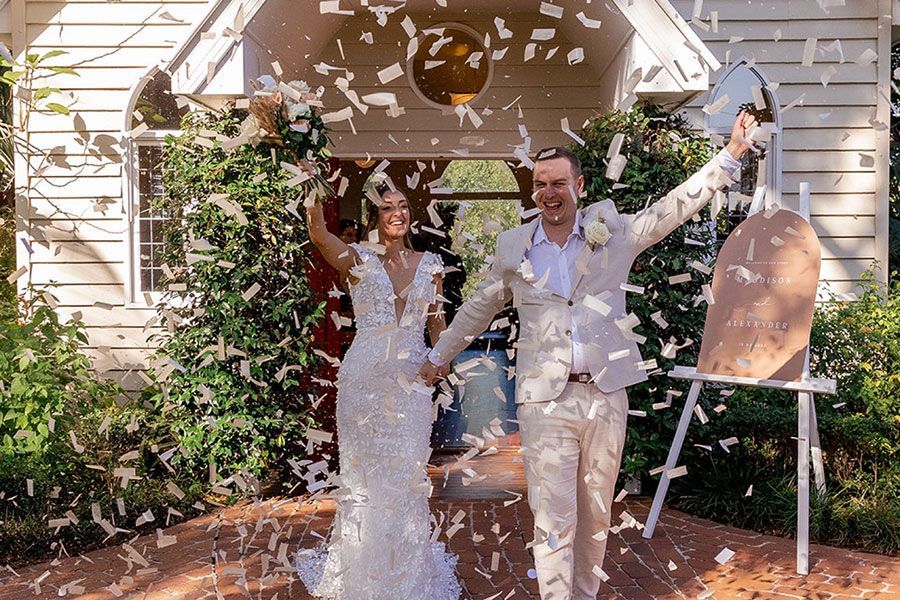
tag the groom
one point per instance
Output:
(576, 353)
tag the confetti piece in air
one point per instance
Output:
(677, 472)
(15, 275)
(529, 51)
(827, 74)
(551, 10)
(337, 116)
(794, 103)
(809, 52)
(588, 23)
(867, 57)
(333, 7)
(502, 30)
(564, 124)
(575, 56)
(717, 106)
(390, 73)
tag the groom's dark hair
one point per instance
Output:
(558, 152)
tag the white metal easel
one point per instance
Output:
(807, 444)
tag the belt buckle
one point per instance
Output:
(584, 377)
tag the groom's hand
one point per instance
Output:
(740, 141)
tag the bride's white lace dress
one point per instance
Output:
(380, 545)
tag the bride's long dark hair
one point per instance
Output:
(372, 217)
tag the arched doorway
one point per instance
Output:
(475, 201)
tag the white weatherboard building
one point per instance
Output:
(821, 67)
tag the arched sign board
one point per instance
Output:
(763, 297)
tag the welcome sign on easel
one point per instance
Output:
(764, 293)
(757, 334)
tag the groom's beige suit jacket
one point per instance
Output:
(597, 301)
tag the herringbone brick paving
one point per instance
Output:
(244, 552)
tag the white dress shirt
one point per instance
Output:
(557, 264)
(560, 261)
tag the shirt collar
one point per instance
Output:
(540, 236)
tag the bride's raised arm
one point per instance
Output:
(339, 255)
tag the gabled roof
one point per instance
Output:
(217, 38)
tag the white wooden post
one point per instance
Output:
(672, 459)
(804, 201)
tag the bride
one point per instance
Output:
(380, 545)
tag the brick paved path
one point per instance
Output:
(255, 541)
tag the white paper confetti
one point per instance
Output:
(390, 73)
(588, 23)
(551, 10)
(724, 556)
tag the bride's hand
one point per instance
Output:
(443, 372)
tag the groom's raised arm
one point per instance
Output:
(475, 315)
(658, 220)
(661, 218)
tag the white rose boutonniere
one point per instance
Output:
(597, 232)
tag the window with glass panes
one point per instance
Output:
(747, 88)
(156, 113)
(149, 220)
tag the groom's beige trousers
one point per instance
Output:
(571, 465)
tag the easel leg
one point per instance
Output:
(804, 400)
(674, 451)
(815, 447)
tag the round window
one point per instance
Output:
(451, 66)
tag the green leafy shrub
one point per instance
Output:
(65, 429)
(234, 365)
(858, 344)
(64, 479)
(46, 377)
(481, 221)
(662, 153)
(8, 298)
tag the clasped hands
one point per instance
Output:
(430, 372)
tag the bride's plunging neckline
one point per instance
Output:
(400, 314)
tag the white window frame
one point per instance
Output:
(774, 146)
(134, 297)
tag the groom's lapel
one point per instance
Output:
(524, 243)
(584, 257)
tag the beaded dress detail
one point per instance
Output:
(380, 545)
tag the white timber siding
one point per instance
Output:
(74, 210)
(826, 138)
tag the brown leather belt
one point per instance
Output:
(580, 377)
